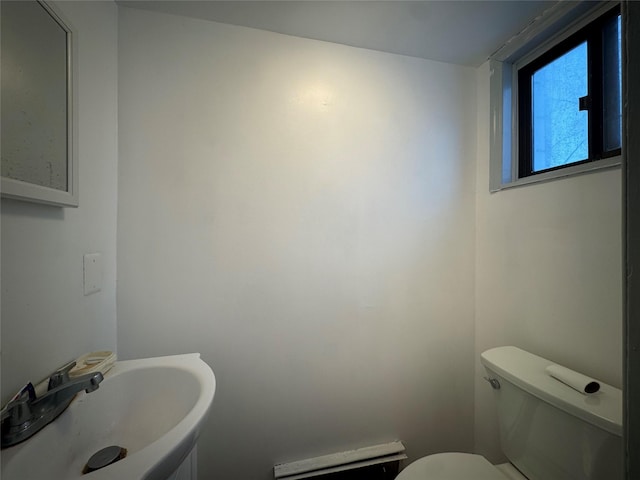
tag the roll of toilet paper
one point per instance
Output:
(575, 380)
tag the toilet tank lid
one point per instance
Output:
(527, 371)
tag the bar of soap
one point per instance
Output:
(100, 361)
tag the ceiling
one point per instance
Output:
(453, 31)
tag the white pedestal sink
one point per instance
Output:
(153, 407)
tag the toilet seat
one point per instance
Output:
(451, 466)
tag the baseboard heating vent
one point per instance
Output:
(340, 462)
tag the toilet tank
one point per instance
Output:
(549, 431)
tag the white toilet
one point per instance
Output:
(548, 430)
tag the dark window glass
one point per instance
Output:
(612, 84)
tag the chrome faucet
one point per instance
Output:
(27, 414)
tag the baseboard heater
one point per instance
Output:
(339, 462)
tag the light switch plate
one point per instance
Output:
(92, 263)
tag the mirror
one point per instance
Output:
(38, 156)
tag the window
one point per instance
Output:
(557, 109)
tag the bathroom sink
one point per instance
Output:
(153, 407)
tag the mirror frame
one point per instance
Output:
(22, 190)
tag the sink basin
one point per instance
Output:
(153, 407)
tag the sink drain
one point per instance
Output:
(104, 457)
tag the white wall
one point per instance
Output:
(548, 273)
(302, 214)
(46, 320)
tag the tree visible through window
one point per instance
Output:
(560, 128)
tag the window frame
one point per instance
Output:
(560, 26)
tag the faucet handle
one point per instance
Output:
(61, 375)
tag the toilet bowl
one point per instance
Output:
(548, 430)
(458, 466)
